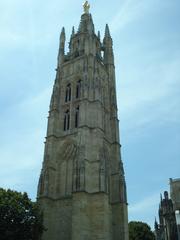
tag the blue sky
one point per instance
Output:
(146, 36)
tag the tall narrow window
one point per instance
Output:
(66, 120)
(77, 117)
(78, 89)
(68, 93)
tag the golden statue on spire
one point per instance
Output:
(86, 6)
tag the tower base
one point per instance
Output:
(84, 216)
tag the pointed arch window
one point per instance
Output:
(77, 117)
(78, 89)
(68, 93)
(66, 120)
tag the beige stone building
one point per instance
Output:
(82, 189)
(167, 228)
(175, 196)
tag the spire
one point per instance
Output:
(61, 46)
(166, 195)
(99, 35)
(108, 49)
(73, 32)
(107, 32)
(155, 224)
(70, 42)
(107, 37)
(62, 35)
(161, 197)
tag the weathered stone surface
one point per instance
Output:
(82, 189)
(167, 228)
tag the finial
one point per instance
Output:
(166, 195)
(107, 32)
(86, 7)
(73, 31)
(155, 224)
(161, 197)
(99, 35)
(62, 35)
(63, 30)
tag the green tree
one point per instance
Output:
(20, 218)
(140, 231)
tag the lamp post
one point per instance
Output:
(177, 213)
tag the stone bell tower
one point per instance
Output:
(82, 189)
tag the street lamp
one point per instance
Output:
(177, 213)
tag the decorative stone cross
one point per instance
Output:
(86, 6)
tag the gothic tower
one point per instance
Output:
(167, 228)
(82, 189)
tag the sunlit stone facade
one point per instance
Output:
(82, 189)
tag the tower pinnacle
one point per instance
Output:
(107, 32)
(86, 7)
(61, 46)
(73, 32)
(62, 36)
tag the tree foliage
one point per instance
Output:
(20, 218)
(140, 231)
